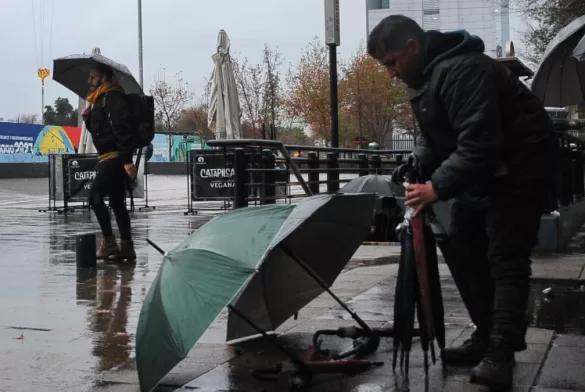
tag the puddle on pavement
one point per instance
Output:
(558, 305)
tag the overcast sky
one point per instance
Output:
(179, 35)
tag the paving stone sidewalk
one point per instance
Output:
(551, 266)
(79, 324)
(551, 361)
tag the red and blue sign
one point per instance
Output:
(31, 143)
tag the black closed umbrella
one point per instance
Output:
(418, 284)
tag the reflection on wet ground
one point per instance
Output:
(63, 328)
(75, 323)
(107, 294)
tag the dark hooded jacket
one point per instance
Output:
(478, 121)
(109, 125)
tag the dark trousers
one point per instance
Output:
(492, 241)
(110, 181)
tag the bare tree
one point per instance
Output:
(260, 91)
(251, 88)
(544, 19)
(272, 97)
(170, 99)
(26, 119)
(195, 118)
(205, 100)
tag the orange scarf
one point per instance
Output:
(101, 89)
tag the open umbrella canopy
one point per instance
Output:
(249, 258)
(73, 72)
(373, 183)
(579, 52)
(224, 108)
(322, 232)
(86, 145)
(560, 78)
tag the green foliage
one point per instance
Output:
(61, 113)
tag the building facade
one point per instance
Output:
(488, 19)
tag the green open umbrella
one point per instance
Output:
(208, 270)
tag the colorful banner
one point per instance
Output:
(179, 147)
(31, 143)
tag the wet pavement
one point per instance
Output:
(64, 329)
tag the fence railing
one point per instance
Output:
(262, 170)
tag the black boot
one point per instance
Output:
(470, 353)
(496, 370)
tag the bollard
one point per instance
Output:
(85, 250)
(240, 199)
(268, 188)
(398, 159)
(314, 173)
(332, 173)
(363, 165)
(376, 163)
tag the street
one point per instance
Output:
(69, 329)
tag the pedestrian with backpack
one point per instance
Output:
(110, 123)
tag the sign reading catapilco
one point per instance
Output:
(81, 173)
(214, 176)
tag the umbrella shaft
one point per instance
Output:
(155, 246)
(323, 285)
(271, 339)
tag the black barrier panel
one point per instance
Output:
(81, 173)
(213, 174)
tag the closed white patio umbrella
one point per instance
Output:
(224, 108)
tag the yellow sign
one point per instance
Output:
(43, 73)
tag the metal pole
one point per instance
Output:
(140, 57)
(42, 101)
(333, 96)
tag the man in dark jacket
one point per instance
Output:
(108, 121)
(487, 142)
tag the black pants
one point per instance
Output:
(492, 242)
(110, 180)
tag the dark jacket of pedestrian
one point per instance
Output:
(109, 123)
(499, 126)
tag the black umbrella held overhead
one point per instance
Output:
(560, 78)
(418, 286)
(73, 72)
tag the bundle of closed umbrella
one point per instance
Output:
(418, 286)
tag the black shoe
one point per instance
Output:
(496, 370)
(470, 353)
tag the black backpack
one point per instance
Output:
(141, 118)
